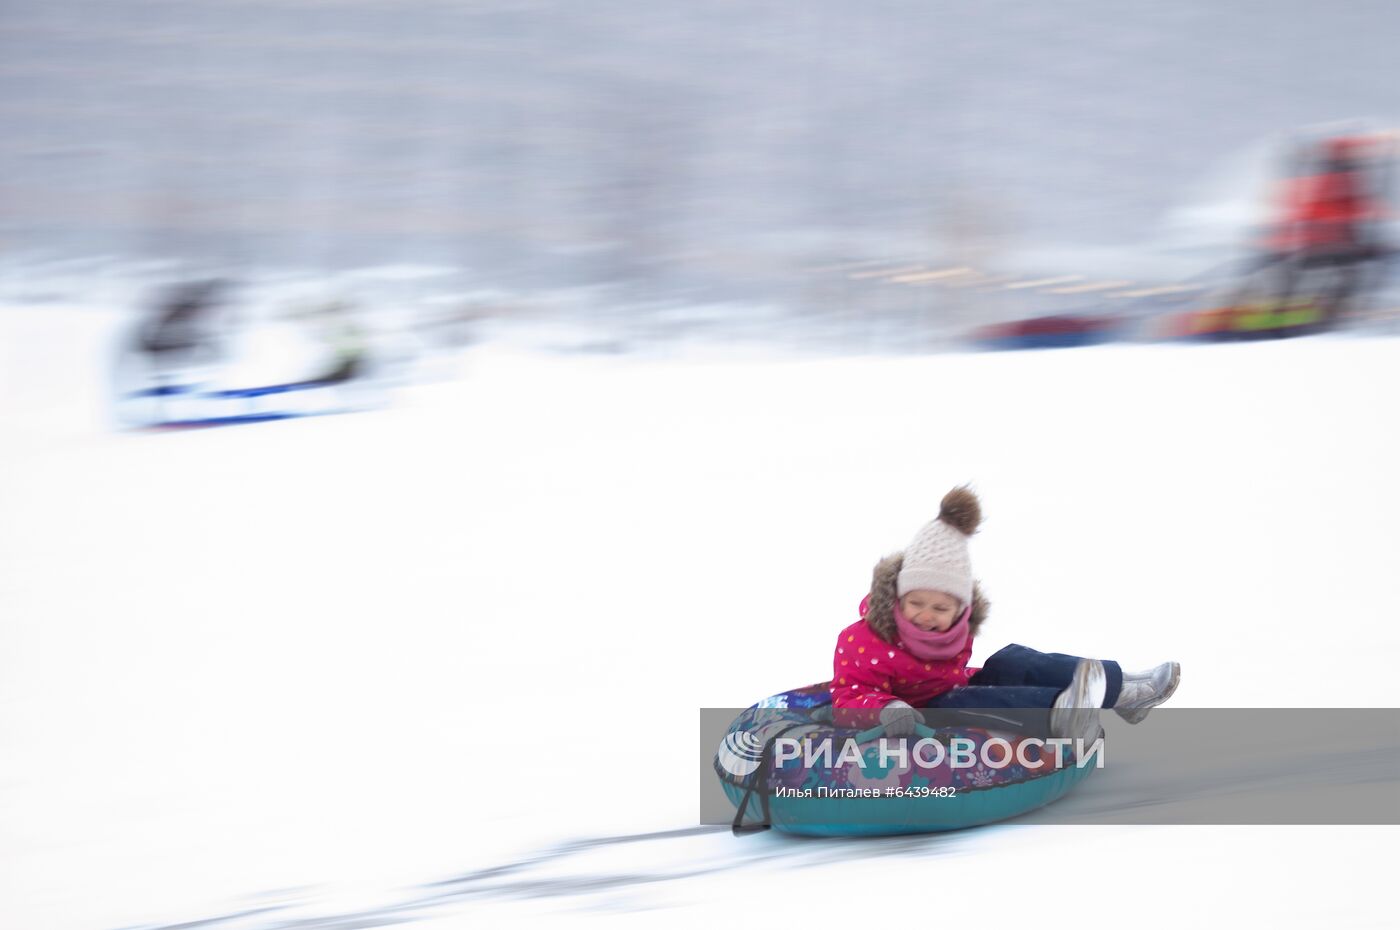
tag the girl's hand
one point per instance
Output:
(899, 719)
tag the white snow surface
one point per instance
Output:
(298, 670)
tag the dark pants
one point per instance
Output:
(1352, 273)
(1016, 687)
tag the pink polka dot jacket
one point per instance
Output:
(871, 667)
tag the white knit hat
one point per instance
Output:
(937, 559)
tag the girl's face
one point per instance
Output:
(930, 610)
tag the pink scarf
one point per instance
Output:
(931, 644)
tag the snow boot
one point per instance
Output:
(1143, 691)
(1075, 713)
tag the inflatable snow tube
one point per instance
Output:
(1049, 332)
(776, 769)
(1246, 323)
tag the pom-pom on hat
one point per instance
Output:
(937, 559)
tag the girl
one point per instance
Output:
(911, 646)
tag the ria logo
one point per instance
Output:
(740, 753)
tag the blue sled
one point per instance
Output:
(200, 408)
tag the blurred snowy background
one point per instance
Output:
(649, 403)
(694, 165)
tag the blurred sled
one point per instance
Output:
(1050, 332)
(1301, 316)
(186, 406)
(187, 365)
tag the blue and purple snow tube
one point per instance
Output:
(785, 763)
(1065, 331)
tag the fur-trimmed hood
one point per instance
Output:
(879, 611)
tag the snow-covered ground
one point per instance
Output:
(292, 674)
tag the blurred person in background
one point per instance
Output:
(182, 329)
(1327, 217)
